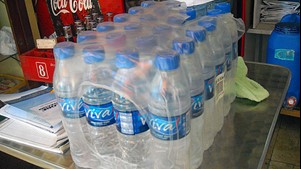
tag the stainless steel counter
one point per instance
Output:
(245, 137)
(241, 144)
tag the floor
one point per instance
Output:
(283, 153)
(284, 150)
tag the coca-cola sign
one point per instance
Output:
(61, 6)
(53, 15)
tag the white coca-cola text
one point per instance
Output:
(59, 6)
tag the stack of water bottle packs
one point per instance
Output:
(149, 90)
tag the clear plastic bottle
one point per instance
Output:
(204, 52)
(66, 84)
(225, 35)
(121, 18)
(136, 10)
(163, 32)
(105, 27)
(230, 23)
(219, 61)
(131, 122)
(97, 104)
(193, 71)
(169, 113)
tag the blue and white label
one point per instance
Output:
(209, 88)
(130, 122)
(170, 128)
(197, 107)
(229, 61)
(285, 54)
(99, 115)
(219, 69)
(71, 107)
(234, 50)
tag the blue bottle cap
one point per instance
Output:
(93, 54)
(127, 58)
(132, 26)
(86, 35)
(121, 17)
(214, 12)
(147, 17)
(136, 10)
(146, 42)
(183, 45)
(224, 6)
(197, 33)
(105, 27)
(175, 20)
(191, 12)
(64, 50)
(147, 4)
(158, 29)
(167, 60)
(209, 25)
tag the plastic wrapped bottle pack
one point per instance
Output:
(140, 92)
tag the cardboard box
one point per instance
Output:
(38, 65)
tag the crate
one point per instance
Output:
(38, 65)
(10, 84)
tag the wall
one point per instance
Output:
(8, 66)
(4, 21)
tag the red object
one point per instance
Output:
(52, 15)
(114, 6)
(38, 65)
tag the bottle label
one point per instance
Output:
(219, 69)
(285, 54)
(130, 122)
(197, 108)
(209, 88)
(234, 50)
(71, 107)
(219, 88)
(229, 61)
(99, 115)
(170, 128)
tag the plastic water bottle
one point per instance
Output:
(219, 61)
(97, 104)
(66, 84)
(228, 19)
(192, 67)
(136, 10)
(163, 32)
(224, 30)
(205, 54)
(169, 113)
(131, 122)
(121, 18)
(105, 27)
(132, 30)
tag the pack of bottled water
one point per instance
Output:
(149, 90)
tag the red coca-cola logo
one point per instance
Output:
(61, 6)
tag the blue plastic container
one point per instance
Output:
(284, 50)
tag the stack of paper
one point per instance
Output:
(34, 119)
(273, 10)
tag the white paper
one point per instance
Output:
(19, 131)
(8, 97)
(42, 111)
